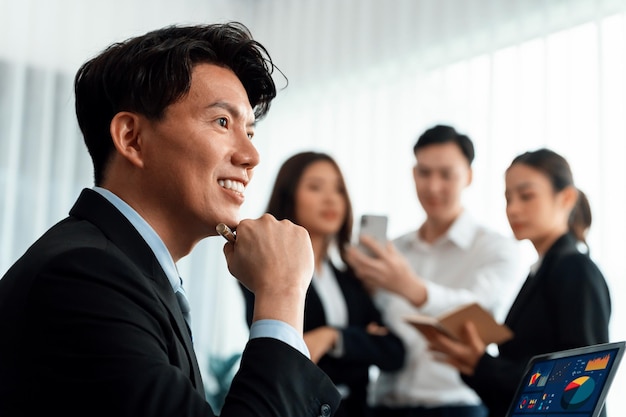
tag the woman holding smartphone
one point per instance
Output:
(564, 303)
(342, 327)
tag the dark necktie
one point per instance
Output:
(184, 303)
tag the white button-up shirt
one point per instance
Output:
(469, 263)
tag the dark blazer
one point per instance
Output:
(566, 304)
(361, 349)
(90, 326)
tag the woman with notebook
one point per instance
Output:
(564, 303)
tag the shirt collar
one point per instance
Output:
(461, 232)
(148, 234)
(325, 272)
(535, 267)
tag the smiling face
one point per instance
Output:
(535, 211)
(441, 174)
(197, 160)
(320, 200)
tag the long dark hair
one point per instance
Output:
(282, 203)
(558, 171)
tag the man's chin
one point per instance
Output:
(230, 219)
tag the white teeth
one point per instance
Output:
(231, 185)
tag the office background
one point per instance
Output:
(365, 78)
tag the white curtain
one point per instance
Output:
(365, 78)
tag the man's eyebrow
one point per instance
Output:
(230, 109)
(435, 168)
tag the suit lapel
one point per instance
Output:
(164, 291)
(562, 245)
(96, 209)
(314, 315)
(524, 296)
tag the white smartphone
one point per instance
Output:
(375, 226)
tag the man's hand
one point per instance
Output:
(274, 260)
(388, 270)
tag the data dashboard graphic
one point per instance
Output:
(570, 383)
(577, 392)
(598, 363)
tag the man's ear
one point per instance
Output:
(470, 176)
(125, 131)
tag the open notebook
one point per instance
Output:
(570, 383)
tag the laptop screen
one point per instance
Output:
(571, 383)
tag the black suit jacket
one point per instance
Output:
(566, 304)
(361, 349)
(90, 326)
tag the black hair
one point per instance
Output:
(145, 74)
(444, 134)
(558, 171)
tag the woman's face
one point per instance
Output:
(321, 199)
(535, 211)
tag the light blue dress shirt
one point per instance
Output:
(262, 328)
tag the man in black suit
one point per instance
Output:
(90, 320)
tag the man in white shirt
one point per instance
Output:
(449, 261)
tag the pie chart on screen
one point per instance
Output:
(577, 393)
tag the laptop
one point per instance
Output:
(569, 383)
